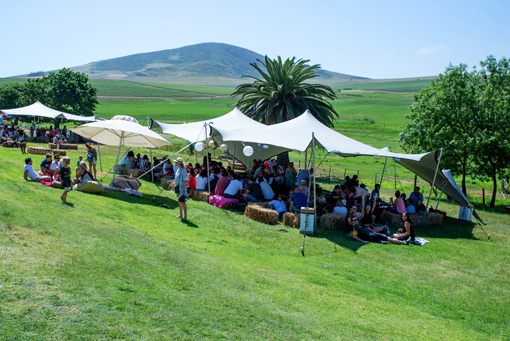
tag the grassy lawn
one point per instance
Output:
(114, 266)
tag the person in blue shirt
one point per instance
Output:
(297, 200)
(416, 196)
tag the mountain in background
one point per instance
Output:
(206, 63)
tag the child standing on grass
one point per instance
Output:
(65, 177)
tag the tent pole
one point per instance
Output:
(150, 151)
(118, 153)
(99, 152)
(207, 158)
(384, 167)
(152, 161)
(306, 150)
(234, 160)
(314, 185)
(442, 189)
(432, 184)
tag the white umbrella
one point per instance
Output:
(121, 131)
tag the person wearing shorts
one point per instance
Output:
(92, 158)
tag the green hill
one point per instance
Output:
(206, 63)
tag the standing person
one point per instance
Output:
(181, 181)
(92, 158)
(290, 176)
(65, 177)
(22, 140)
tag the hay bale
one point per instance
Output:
(168, 186)
(291, 219)
(63, 146)
(430, 219)
(135, 172)
(38, 151)
(59, 152)
(199, 196)
(392, 218)
(332, 221)
(263, 215)
(261, 204)
(52, 146)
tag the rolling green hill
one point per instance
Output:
(206, 63)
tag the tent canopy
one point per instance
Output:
(40, 110)
(121, 132)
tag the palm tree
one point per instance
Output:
(282, 93)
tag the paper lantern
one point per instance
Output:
(199, 146)
(213, 145)
(248, 150)
(224, 148)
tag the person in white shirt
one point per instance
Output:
(267, 191)
(55, 165)
(234, 189)
(279, 205)
(31, 174)
(340, 207)
(202, 180)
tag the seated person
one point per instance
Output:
(253, 192)
(297, 200)
(416, 195)
(202, 180)
(55, 166)
(375, 192)
(83, 174)
(408, 232)
(234, 188)
(222, 183)
(303, 188)
(351, 214)
(361, 234)
(410, 207)
(267, 191)
(168, 168)
(420, 208)
(279, 205)
(340, 207)
(213, 179)
(46, 164)
(399, 206)
(30, 173)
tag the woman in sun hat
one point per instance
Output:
(181, 181)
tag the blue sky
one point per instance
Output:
(376, 39)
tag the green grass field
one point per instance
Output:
(114, 266)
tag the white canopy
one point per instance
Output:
(40, 110)
(234, 120)
(121, 132)
(297, 134)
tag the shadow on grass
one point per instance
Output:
(162, 201)
(339, 238)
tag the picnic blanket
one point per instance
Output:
(220, 201)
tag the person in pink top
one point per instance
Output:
(222, 183)
(399, 206)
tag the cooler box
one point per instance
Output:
(307, 225)
(465, 212)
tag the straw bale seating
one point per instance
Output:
(39, 140)
(135, 172)
(396, 220)
(237, 165)
(199, 195)
(59, 152)
(63, 146)
(264, 215)
(38, 151)
(332, 221)
(291, 219)
(168, 186)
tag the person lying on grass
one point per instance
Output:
(31, 174)
(366, 236)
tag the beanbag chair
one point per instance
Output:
(90, 187)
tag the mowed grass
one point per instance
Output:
(397, 85)
(114, 266)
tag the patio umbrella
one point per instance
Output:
(121, 131)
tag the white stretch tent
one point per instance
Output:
(297, 134)
(40, 110)
(234, 120)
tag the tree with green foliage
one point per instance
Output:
(64, 90)
(440, 118)
(71, 92)
(492, 122)
(282, 92)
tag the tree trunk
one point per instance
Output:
(494, 189)
(464, 179)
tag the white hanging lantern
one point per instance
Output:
(199, 146)
(248, 151)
